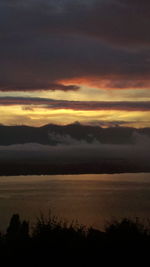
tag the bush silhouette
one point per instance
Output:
(17, 230)
(55, 242)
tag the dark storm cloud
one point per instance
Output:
(42, 42)
(111, 20)
(77, 105)
(37, 86)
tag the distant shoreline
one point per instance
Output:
(14, 169)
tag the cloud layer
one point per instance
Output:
(76, 105)
(44, 42)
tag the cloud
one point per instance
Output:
(102, 123)
(120, 22)
(79, 152)
(76, 105)
(43, 42)
(37, 86)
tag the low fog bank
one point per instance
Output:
(79, 155)
(71, 149)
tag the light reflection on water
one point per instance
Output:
(91, 199)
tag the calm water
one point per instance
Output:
(92, 199)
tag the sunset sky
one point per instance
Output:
(64, 61)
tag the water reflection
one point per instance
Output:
(92, 199)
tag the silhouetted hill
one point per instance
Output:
(51, 134)
(22, 134)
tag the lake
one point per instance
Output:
(91, 199)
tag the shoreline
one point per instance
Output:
(43, 172)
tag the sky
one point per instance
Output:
(64, 61)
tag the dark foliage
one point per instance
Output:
(54, 242)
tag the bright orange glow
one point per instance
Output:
(40, 116)
(86, 81)
(111, 82)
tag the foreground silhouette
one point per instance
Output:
(54, 242)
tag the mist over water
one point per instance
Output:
(91, 199)
(73, 151)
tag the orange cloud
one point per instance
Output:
(111, 82)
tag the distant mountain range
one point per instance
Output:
(54, 134)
